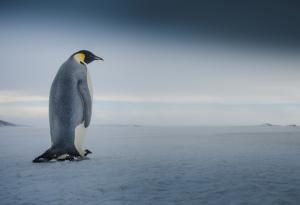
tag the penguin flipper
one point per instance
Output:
(86, 100)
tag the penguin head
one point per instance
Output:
(85, 56)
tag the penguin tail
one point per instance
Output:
(48, 155)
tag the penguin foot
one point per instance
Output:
(87, 152)
(70, 158)
(64, 157)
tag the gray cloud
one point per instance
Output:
(146, 75)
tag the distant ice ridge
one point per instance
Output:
(5, 123)
(270, 125)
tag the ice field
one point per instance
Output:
(156, 165)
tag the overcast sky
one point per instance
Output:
(165, 64)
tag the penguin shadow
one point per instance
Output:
(79, 159)
(49, 156)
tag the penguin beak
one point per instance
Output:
(98, 58)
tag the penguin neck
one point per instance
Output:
(79, 58)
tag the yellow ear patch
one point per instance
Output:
(80, 57)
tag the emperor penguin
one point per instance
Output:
(70, 108)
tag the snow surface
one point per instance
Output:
(152, 165)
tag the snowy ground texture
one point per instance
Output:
(144, 165)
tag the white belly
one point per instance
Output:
(90, 85)
(80, 130)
